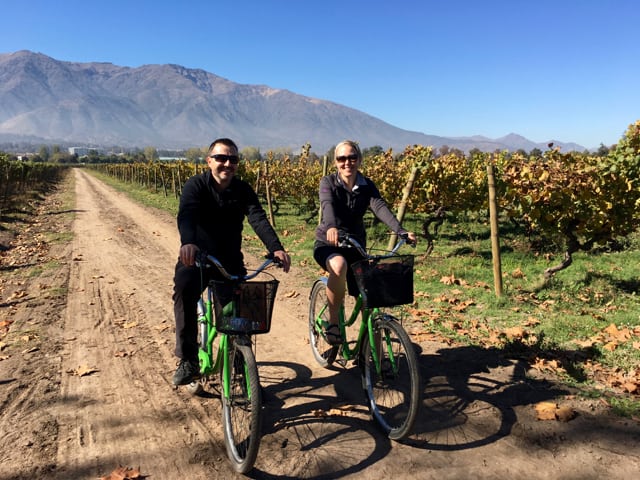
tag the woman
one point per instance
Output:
(345, 197)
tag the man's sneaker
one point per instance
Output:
(187, 372)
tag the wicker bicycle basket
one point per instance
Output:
(244, 308)
(385, 282)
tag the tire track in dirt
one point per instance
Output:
(119, 322)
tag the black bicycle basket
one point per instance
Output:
(253, 302)
(385, 282)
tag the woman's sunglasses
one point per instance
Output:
(343, 158)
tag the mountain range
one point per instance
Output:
(44, 100)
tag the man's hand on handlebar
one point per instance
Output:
(283, 259)
(188, 254)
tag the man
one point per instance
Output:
(212, 209)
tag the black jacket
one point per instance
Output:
(345, 210)
(213, 221)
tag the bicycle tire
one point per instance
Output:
(324, 353)
(242, 412)
(393, 396)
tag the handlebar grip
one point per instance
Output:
(271, 256)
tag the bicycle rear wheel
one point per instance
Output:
(324, 353)
(242, 411)
(393, 394)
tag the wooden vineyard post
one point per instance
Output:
(179, 186)
(163, 180)
(325, 170)
(267, 191)
(406, 191)
(495, 233)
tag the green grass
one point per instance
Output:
(559, 317)
(59, 237)
(142, 195)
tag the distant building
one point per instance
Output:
(84, 151)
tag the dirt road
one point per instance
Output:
(86, 366)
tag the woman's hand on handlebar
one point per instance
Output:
(408, 237)
(411, 239)
(188, 254)
(283, 259)
(333, 236)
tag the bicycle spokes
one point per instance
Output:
(390, 378)
(242, 413)
(324, 353)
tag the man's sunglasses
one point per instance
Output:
(221, 158)
(344, 158)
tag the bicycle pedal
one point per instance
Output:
(342, 362)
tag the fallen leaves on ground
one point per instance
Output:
(125, 473)
(447, 316)
(337, 411)
(5, 323)
(83, 371)
(551, 411)
(517, 273)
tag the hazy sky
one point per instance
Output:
(565, 70)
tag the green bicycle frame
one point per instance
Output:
(365, 331)
(209, 366)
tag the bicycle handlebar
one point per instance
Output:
(346, 240)
(204, 259)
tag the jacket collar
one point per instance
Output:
(360, 180)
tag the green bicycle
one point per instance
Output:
(382, 348)
(233, 311)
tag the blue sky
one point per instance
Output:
(547, 69)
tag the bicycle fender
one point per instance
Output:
(322, 280)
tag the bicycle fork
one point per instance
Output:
(228, 350)
(207, 334)
(380, 342)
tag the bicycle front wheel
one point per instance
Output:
(242, 410)
(324, 353)
(392, 386)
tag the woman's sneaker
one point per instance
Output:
(187, 372)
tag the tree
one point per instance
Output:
(372, 151)
(602, 151)
(536, 152)
(251, 154)
(521, 152)
(474, 151)
(443, 150)
(330, 153)
(194, 155)
(151, 154)
(43, 153)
